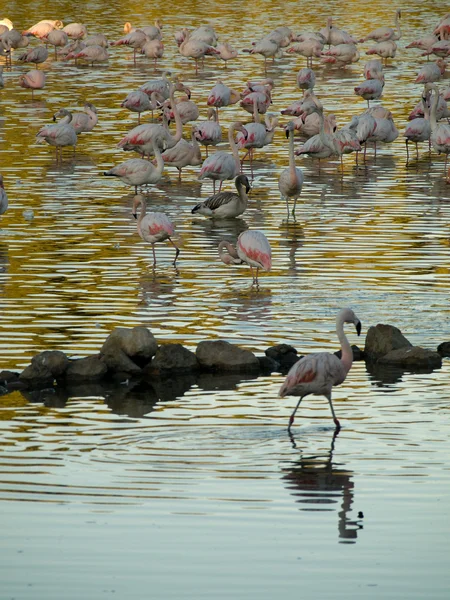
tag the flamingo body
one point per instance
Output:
(226, 204)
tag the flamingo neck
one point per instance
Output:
(141, 216)
(159, 162)
(233, 146)
(176, 114)
(433, 120)
(346, 349)
(232, 255)
(397, 25)
(292, 168)
(255, 111)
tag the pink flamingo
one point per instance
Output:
(138, 171)
(443, 27)
(222, 165)
(6, 23)
(440, 48)
(335, 36)
(68, 51)
(442, 111)
(440, 133)
(364, 127)
(59, 135)
(306, 79)
(153, 227)
(209, 133)
(183, 154)
(75, 31)
(3, 197)
(92, 54)
(226, 52)
(257, 135)
(383, 34)
(225, 205)
(153, 49)
(196, 49)
(141, 138)
(309, 125)
(431, 72)
(139, 102)
(373, 68)
(318, 373)
(418, 130)
(290, 182)
(371, 89)
(12, 39)
(187, 109)
(319, 146)
(386, 50)
(424, 43)
(341, 55)
(43, 27)
(97, 39)
(221, 95)
(267, 47)
(56, 38)
(252, 248)
(310, 48)
(33, 80)
(385, 130)
(153, 32)
(81, 122)
(35, 55)
(136, 40)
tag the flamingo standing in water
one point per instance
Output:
(35, 55)
(318, 373)
(252, 248)
(3, 197)
(209, 133)
(183, 154)
(59, 135)
(440, 133)
(154, 226)
(81, 122)
(56, 38)
(222, 165)
(371, 89)
(418, 130)
(291, 179)
(138, 171)
(33, 80)
(222, 95)
(92, 54)
(226, 204)
(382, 34)
(136, 40)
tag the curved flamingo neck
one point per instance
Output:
(346, 349)
(232, 255)
(434, 104)
(159, 163)
(233, 146)
(292, 168)
(176, 114)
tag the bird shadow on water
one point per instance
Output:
(317, 483)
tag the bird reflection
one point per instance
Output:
(293, 237)
(250, 304)
(318, 484)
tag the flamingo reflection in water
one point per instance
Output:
(318, 484)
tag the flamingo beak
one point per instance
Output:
(358, 327)
(286, 131)
(134, 215)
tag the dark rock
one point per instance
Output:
(8, 376)
(412, 357)
(219, 355)
(173, 357)
(137, 344)
(382, 339)
(443, 349)
(54, 360)
(268, 364)
(358, 354)
(284, 354)
(36, 375)
(91, 367)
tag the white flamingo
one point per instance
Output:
(371, 89)
(81, 122)
(222, 165)
(252, 248)
(92, 54)
(418, 130)
(153, 227)
(386, 49)
(382, 34)
(225, 205)
(318, 373)
(33, 80)
(440, 132)
(290, 182)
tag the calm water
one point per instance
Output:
(196, 485)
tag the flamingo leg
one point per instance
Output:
(291, 418)
(336, 422)
(139, 118)
(407, 152)
(417, 151)
(293, 210)
(179, 174)
(220, 186)
(154, 255)
(253, 277)
(177, 251)
(206, 151)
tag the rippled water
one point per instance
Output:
(195, 485)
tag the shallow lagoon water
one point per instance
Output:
(195, 489)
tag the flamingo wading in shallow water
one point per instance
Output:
(318, 373)
(252, 248)
(153, 227)
(3, 197)
(291, 179)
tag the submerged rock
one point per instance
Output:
(415, 356)
(219, 355)
(173, 357)
(284, 354)
(444, 349)
(89, 368)
(54, 360)
(128, 350)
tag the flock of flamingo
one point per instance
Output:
(159, 147)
